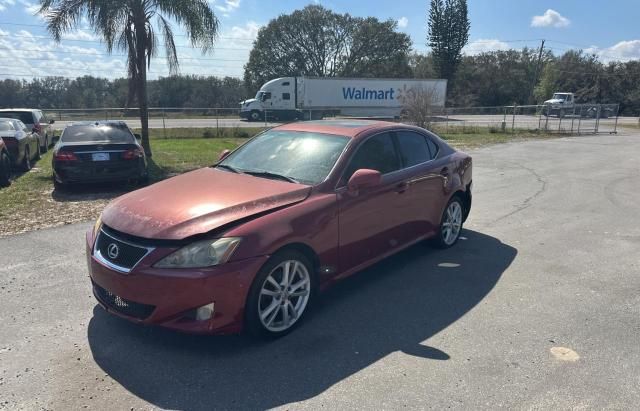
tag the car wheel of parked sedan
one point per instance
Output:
(26, 162)
(451, 223)
(5, 170)
(280, 295)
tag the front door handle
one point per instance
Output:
(402, 187)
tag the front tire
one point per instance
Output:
(255, 115)
(280, 295)
(450, 223)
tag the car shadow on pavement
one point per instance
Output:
(393, 306)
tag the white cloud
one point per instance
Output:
(5, 3)
(228, 6)
(622, 51)
(483, 45)
(79, 35)
(550, 18)
(403, 22)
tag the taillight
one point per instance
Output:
(132, 154)
(64, 156)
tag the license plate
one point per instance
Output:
(100, 156)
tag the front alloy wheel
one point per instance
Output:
(280, 295)
(451, 224)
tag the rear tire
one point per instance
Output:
(280, 295)
(26, 161)
(451, 223)
(5, 170)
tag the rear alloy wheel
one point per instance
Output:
(5, 170)
(451, 223)
(280, 295)
(26, 162)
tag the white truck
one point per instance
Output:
(305, 98)
(560, 104)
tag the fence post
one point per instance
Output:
(265, 118)
(580, 118)
(446, 112)
(539, 118)
(217, 123)
(164, 127)
(615, 126)
(513, 119)
(573, 118)
(504, 119)
(598, 119)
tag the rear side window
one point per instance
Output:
(377, 153)
(286, 96)
(25, 116)
(97, 134)
(6, 126)
(413, 148)
(433, 148)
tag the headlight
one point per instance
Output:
(201, 254)
(96, 227)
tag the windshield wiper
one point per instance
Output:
(268, 174)
(226, 167)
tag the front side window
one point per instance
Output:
(377, 153)
(304, 157)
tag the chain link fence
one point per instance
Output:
(576, 119)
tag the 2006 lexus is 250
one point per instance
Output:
(247, 243)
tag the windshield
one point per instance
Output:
(95, 134)
(560, 96)
(301, 156)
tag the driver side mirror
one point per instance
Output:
(224, 154)
(364, 178)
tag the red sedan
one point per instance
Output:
(248, 242)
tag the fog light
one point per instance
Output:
(205, 312)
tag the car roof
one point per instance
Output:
(98, 123)
(342, 127)
(8, 119)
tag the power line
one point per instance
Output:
(109, 55)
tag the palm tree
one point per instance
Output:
(127, 25)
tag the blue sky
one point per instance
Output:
(606, 28)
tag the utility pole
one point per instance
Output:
(535, 76)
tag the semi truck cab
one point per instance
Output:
(276, 99)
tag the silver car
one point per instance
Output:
(36, 121)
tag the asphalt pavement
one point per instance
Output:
(537, 307)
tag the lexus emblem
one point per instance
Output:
(113, 250)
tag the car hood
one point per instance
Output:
(248, 101)
(554, 101)
(198, 202)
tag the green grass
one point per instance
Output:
(31, 201)
(204, 132)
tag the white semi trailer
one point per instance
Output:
(289, 98)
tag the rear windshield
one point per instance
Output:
(6, 126)
(95, 134)
(24, 116)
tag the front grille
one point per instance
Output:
(119, 304)
(123, 255)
